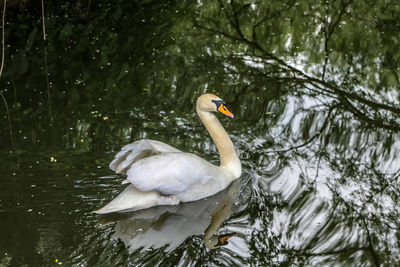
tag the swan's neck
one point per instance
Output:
(226, 150)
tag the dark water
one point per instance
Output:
(315, 92)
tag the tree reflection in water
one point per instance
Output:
(316, 90)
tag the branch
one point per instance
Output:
(3, 19)
(311, 138)
(281, 64)
(43, 23)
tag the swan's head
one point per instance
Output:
(212, 103)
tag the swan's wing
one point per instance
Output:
(131, 153)
(171, 173)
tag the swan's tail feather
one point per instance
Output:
(138, 150)
(129, 200)
(131, 153)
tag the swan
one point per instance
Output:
(159, 174)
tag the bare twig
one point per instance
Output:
(8, 119)
(312, 138)
(48, 85)
(3, 19)
(47, 77)
(373, 253)
(43, 22)
(329, 32)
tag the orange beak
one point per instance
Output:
(225, 111)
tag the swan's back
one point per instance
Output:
(173, 173)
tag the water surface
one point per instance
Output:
(314, 89)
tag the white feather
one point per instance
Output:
(136, 151)
(176, 173)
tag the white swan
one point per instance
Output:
(160, 174)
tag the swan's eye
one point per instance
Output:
(218, 103)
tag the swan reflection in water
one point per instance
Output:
(169, 226)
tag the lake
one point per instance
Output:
(314, 88)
